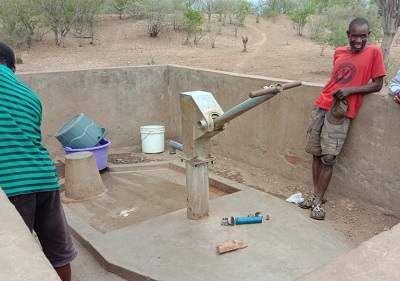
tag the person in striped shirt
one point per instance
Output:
(27, 174)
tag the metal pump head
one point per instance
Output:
(199, 109)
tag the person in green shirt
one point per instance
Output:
(27, 174)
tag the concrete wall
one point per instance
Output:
(123, 99)
(118, 99)
(21, 257)
(276, 130)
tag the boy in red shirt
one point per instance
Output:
(357, 70)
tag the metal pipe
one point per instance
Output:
(274, 89)
(260, 96)
(239, 110)
(173, 145)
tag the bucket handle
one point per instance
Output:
(103, 133)
(149, 133)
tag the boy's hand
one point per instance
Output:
(341, 93)
(397, 98)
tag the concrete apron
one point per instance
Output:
(172, 247)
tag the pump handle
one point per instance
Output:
(274, 89)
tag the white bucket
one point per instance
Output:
(152, 138)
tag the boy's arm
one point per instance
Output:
(375, 86)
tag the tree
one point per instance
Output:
(329, 27)
(120, 6)
(209, 7)
(299, 15)
(155, 13)
(59, 16)
(177, 16)
(222, 10)
(191, 3)
(259, 6)
(86, 17)
(281, 6)
(18, 22)
(62, 15)
(240, 10)
(194, 24)
(390, 10)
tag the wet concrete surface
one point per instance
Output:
(139, 195)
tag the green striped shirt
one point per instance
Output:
(25, 164)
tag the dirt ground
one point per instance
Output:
(273, 50)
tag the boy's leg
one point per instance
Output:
(313, 146)
(52, 230)
(316, 171)
(333, 138)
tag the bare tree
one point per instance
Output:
(156, 13)
(210, 7)
(244, 41)
(58, 15)
(223, 9)
(120, 6)
(61, 15)
(390, 23)
(239, 11)
(87, 17)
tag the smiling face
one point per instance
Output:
(358, 36)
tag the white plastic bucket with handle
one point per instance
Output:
(152, 137)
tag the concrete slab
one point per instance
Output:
(86, 268)
(172, 247)
(148, 191)
(375, 259)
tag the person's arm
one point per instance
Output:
(394, 85)
(375, 86)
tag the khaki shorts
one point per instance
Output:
(323, 137)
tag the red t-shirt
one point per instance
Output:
(352, 69)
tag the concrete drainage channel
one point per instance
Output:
(157, 241)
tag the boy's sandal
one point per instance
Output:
(317, 212)
(309, 203)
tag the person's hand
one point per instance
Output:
(342, 93)
(397, 98)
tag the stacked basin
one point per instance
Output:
(79, 134)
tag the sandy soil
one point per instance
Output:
(273, 50)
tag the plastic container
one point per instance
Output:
(80, 132)
(152, 137)
(100, 152)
